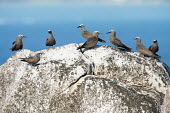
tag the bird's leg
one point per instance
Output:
(33, 65)
(116, 48)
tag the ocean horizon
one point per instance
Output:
(148, 22)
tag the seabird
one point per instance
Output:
(154, 47)
(115, 41)
(86, 34)
(92, 41)
(50, 40)
(33, 60)
(142, 49)
(17, 45)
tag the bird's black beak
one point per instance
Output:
(78, 27)
(24, 37)
(108, 32)
(134, 39)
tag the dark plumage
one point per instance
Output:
(142, 49)
(33, 59)
(50, 40)
(154, 47)
(17, 45)
(115, 41)
(86, 34)
(91, 42)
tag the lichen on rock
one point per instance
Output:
(101, 80)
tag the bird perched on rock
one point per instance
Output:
(154, 47)
(115, 41)
(50, 40)
(92, 41)
(86, 34)
(33, 60)
(17, 45)
(142, 49)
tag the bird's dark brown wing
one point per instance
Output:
(21, 46)
(13, 47)
(150, 47)
(54, 42)
(89, 42)
(87, 34)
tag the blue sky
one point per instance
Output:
(90, 1)
(40, 14)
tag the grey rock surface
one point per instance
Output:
(166, 103)
(102, 80)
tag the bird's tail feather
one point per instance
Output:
(127, 48)
(101, 40)
(23, 59)
(156, 56)
(11, 49)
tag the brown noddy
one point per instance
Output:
(115, 41)
(154, 47)
(33, 60)
(86, 34)
(142, 49)
(92, 41)
(50, 40)
(17, 45)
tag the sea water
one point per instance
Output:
(148, 22)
